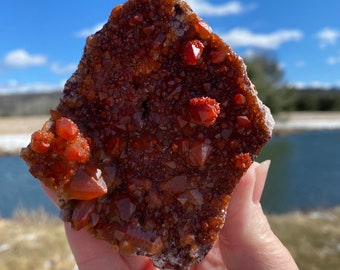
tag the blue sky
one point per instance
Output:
(42, 41)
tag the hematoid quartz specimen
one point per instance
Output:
(153, 132)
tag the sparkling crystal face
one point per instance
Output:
(152, 134)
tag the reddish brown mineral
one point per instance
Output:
(152, 134)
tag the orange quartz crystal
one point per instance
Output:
(153, 132)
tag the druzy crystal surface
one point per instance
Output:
(153, 132)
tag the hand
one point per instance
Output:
(245, 242)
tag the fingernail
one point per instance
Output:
(261, 172)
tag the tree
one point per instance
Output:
(267, 75)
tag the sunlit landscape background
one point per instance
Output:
(292, 51)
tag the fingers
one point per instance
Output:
(91, 253)
(246, 240)
(261, 172)
(213, 260)
(50, 194)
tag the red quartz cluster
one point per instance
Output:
(152, 134)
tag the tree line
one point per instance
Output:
(263, 70)
(28, 104)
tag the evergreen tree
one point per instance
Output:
(267, 75)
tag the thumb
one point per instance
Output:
(246, 240)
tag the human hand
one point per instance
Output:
(245, 242)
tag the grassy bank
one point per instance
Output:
(33, 240)
(313, 238)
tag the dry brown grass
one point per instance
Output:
(34, 240)
(313, 238)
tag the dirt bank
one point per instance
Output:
(21, 124)
(287, 123)
(15, 132)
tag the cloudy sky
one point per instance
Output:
(42, 41)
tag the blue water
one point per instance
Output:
(304, 174)
(19, 189)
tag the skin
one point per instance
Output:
(245, 242)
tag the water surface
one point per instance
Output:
(304, 174)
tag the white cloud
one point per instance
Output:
(204, 7)
(314, 84)
(320, 85)
(241, 37)
(333, 60)
(63, 70)
(328, 36)
(89, 31)
(297, 84)
(281, 65)
(249, 53)
(300, 64)
(21, 58)
(14, 87)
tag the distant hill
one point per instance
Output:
(28, 104)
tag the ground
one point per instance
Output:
(34, 240)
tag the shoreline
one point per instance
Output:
(15, 131)
(295, 122)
